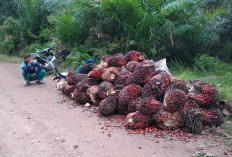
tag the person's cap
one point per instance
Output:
(27, 55)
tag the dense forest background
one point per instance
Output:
(180, 30)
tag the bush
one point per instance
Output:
(75, 59)
(32, 48)
(211, 64)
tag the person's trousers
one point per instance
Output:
(39, 76)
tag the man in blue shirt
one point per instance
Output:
(32, 71)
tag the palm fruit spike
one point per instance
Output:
(137, 120)
(134, 56)
(191, 120)
(105, 89)
(110, 74)
(181, 85)
(68, 89)
(133, 105)
(154, 88)
(149, 106)
(164, 77)
(108, 106)
(92, 92)
(174, 100)
(126, 95)
(96, 73)
(131, 66)
(122, 77)
(166, 120)
(85, 69)
(212, 117)
(140, 76)
(204, 94)
(117, 60)
(73, 78)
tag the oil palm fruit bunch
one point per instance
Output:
(174, 100)
(126, 95)
(108, 106)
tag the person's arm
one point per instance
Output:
(39, 68)
(25, 68)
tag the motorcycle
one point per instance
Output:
(46, 58)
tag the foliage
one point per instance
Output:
(179, 29)
(32, 48)
(211, 64)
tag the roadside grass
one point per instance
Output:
(10, 59)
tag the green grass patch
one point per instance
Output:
(10, 59)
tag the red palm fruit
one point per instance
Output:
(226, 108)
(82, 98)
(154, 88)
(126, 95)
(181, 85)
(134, 56)
(105, 58)
(174, 100)
(166, 120)
(68, 89)
(85, 69)
(83, 85)
(73, 78)
(149, 106)
(117, 60)
(105, 89)
(92, 92)
(140, 76)
(164, 77)
(191, 104)
(110, 74)
(122, 77)
(108, 106)
(137, 120)
(191, 120)
(212, 117)
(131, 66)
(203, 100)
(74, 93)
(175, 79)
(104, 61)
(133, 105)
(204, 94)
(96, 73)
(119, 87)
(147, 63)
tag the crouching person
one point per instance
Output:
(32, 71)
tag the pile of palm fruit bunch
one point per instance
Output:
(147, 95)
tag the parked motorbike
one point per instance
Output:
(46, 58)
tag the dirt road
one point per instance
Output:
(34, 124)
